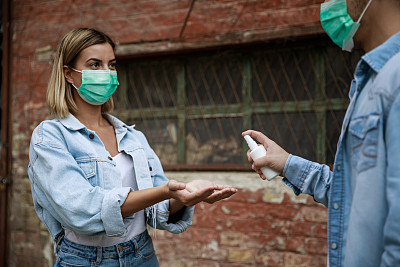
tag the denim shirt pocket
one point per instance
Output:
(89, 169)
(364, 133)
(153, 166)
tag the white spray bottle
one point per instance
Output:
(258, 152)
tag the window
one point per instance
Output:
(193, 108)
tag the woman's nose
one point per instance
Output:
(105, 67)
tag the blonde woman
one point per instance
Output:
(95, 181)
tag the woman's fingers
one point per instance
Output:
(175, 185)
(219, 195)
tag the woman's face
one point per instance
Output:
(95, 57)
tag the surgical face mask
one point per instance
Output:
(97, 85)
(338, 24)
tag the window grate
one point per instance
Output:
(193, 109)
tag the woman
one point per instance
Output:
(95, 181)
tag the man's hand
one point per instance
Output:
(276, 156)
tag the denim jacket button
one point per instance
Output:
(334, 245)
(338, 167)
(91, 136)
(335, 206)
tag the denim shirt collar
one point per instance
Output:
(72, 123)
(374, 61)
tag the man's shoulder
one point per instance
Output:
(388, 77)
(393, 64)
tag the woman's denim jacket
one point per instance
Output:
(76, 184)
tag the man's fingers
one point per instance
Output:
(259, 172)
(259, 136)
(261, 162)
(248, 156)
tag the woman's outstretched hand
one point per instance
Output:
(220, 191)
(199, 190)
(179, 192)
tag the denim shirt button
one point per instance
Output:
(334, 245)
(335, 206)
(338, 168)
(91, 136)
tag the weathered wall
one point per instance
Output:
(263, 224)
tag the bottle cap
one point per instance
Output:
(250, 142)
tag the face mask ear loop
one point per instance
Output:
(75, 69)
(365, 10)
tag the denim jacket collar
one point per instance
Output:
(72, 123)
(378, 57)
(374, 61)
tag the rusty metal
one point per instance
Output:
(5, 157)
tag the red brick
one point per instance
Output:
(315, 214)
(297, 260)
(270, 258)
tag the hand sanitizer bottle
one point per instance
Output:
(257, 152)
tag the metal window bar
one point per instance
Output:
(193, 109)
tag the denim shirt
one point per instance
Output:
(362, 192)
(75, 182)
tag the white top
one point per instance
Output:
(125, 164)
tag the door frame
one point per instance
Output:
(5, 157)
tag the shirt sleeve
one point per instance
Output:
(162, 218)
(161, 210)
(391, 231)
(308, 177)
(61, 189)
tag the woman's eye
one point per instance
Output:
(94, 65)
(113, 66)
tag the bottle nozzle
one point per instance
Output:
(250, 142)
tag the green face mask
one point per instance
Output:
(338, 24)
(97, 85)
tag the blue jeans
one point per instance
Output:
(137, 252)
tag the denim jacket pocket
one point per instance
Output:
(153, 167)
(364, 133)
(89, 169)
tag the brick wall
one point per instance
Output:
(263, 224)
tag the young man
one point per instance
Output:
(362, 192)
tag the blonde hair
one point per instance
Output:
(59, 92)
